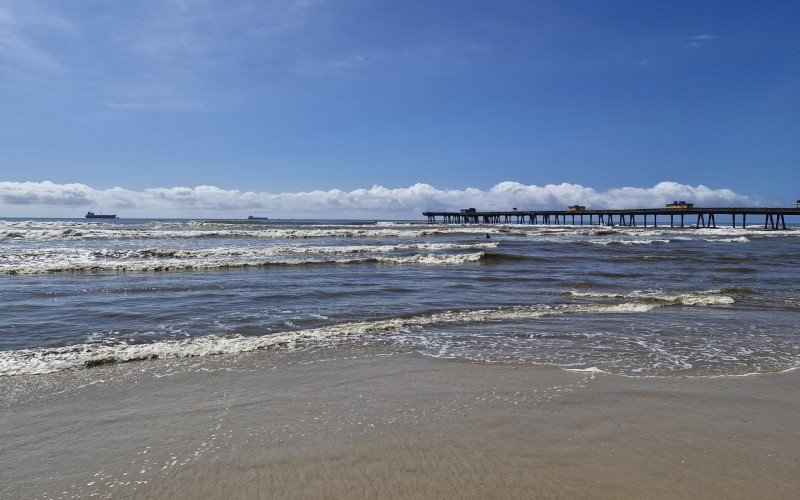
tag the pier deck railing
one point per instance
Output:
(774, 217)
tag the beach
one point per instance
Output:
(362, 422)
(184, 359)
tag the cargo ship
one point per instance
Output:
(253, 217)
(92, 215)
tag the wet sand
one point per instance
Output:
(357, 422)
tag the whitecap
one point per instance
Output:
(47, 360)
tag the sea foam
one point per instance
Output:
(65, 260)
(47, 360)
(696, 298)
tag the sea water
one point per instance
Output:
(76, 294)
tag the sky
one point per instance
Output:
(354, 107)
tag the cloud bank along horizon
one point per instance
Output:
(43, 199)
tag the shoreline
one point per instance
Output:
(360, 422)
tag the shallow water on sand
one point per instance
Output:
(631, 301)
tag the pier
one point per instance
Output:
(691, 216)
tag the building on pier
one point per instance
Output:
(680, 205)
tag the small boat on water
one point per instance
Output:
(92, 215)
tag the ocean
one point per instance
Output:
(639, 302)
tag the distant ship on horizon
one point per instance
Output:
(253, 217)
(92, 215)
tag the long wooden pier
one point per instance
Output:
(774, 217)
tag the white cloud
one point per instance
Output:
(173, 55)
(698, 40)
(156, 105)
(68, 200)
(45, 193)
(20, 33)
(339, 66)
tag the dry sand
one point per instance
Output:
(358, 423)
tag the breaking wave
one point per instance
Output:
(84, 231)
(47, 360)
(629, 242)
(700, 298)
(187, 264)
(61, 260)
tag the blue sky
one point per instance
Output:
(297, 96)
